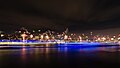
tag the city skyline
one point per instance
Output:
(59, 33)
(49, 35)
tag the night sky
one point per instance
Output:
(77, 15)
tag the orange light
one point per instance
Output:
(23, 36)
(31, 36)
(65, 37)
(2, 35)
(112, 39)
(42, 36)
(47, 37)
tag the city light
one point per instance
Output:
(53, 36)
(118, 38)
(65, 37)
(112, 39)
(47, 37)
(23, 36)
(103, 38)
(31, 36)
(39, 30)
(2, 35)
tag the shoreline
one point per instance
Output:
(12, 45)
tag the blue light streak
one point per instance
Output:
(56, 44)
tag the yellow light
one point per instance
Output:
(39, 30)
(65, 37)
(2, 35)
(98, 38)
(119, 38)
(33, 31)
(47, 37)
(112, 39)
(31, 36)
(23, 36)
(19, 31)
(42, 36)
(114, 36)
(71, 34)
(103, 38)
(53, 37)
(86, 36)
(91, 33)
(80, 37)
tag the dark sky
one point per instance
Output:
(77, 15)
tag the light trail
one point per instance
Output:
(57, 42)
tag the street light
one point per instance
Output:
(23, 36)
(47, 37)
(103, 38)
(39, 30)
(42, 36)
(2, 35)
(31, 36)
(65, 37)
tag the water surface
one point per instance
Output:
(60, 57)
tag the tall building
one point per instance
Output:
(66, 31)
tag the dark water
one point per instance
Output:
(103, 57)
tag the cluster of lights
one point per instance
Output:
(64, 36)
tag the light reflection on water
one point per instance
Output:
(37, 56)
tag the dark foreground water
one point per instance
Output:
(90, 57)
